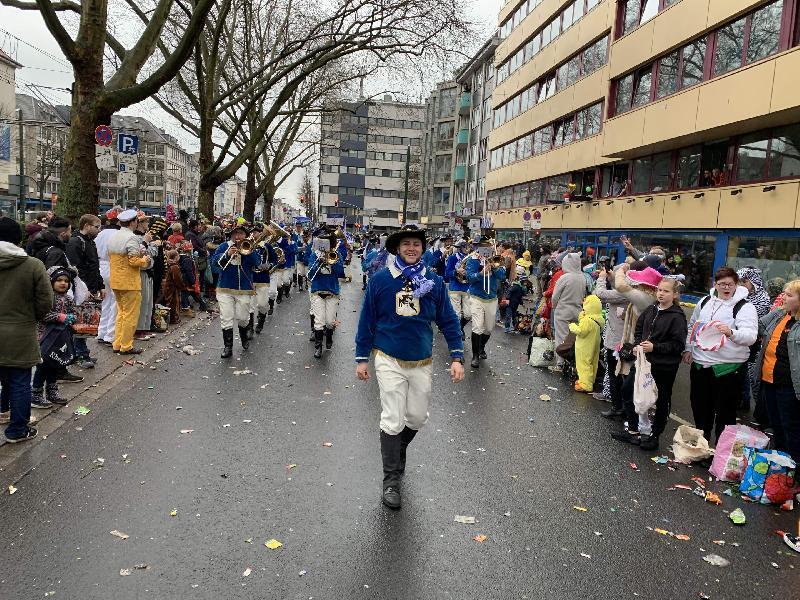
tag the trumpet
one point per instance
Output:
(279, 231)
(281, 258)
(496, 261)
(332, 257)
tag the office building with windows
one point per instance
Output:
(676, 122)
(363, 151)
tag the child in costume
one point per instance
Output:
(587, 342)
(173, 286)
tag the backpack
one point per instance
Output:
(56, 345)
(755, 347)
(186, 265)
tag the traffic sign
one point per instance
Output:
(127, 166)
(526, 226)
(526, 216)
(127, 144)
(103, 135)
(103, 157)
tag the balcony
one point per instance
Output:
(462, 139)
(460, 173)
(465, 103)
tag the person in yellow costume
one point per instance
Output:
(587, 342)
(126, 258)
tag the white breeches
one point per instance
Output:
(483, 314)
(324, 311)
(108, 314)
(405, 394)
(260, 301)
(301, 269)
(234, 309)
(460, 302)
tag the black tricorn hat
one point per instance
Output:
(408, 231)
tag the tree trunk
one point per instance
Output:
(269, 195)
(250, 192)
(208, 184)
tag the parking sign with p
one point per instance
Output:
(127, 144)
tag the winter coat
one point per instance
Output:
(766, 325)
(617, 303)
(26, 297)
(744, 327)
(514, 295)
(82, 253)
(587, 341)
(667, 330)
(570, 289)
(49, 249)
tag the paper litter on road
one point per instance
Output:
(716, 560)
(119, 534)
(187, 430)
(81, 411)
(737, 516)
(11, 490)
(464, 519)
(480, 538)
(544, 398)
(247, 572)
(273, 544)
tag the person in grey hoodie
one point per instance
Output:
(568, 298)
(616, 304)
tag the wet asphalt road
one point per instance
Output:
(233, 488)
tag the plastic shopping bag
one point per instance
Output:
(87, 318)
(541, 352)
(689, 445)
(768, 477)
(645, 391)
(729, 464)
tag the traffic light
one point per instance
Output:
(302, 198)
(336, 202)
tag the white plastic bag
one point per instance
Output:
(689, 445)
(645, 391)
(541, 352)
(81, 291)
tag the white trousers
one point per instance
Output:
(405, 394)
(260, 300)
(460, 302)
(282, 277)
(108, 314)
(302, 270)
(234, 309)
(324, 311)
(483, 314)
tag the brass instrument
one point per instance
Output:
(496, 261)
(281, 258)
(339, 234)
(461, 269)
(332, 257)
(280, 231)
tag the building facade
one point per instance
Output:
(362, 172)
(229, 197)
(675, 122)
(9, 159)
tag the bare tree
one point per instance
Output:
(47, 165)
(308, 196)
(95, 94)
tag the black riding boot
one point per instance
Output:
(250, 330)
(294, 279)
(484, 339)
(476, 350)
(260, 325)
(286, 289)
(271, 306)
(300, 279)
(312, 338)
(391, 452)
(244, 337)
(364, 282)
(328, 338)
(463, 323)
(227, 340)
(405, 438)
(317, 343)
(279, 299)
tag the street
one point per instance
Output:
(200, 462)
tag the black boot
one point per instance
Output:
(484, 339)
(391, 452)
(300, 279)
(244, 337)
(476, 350)
(271, 306)
(227, 340)
(295, 279)
(286, 289)
(317, 343)
(405, 438)
(363, 282)
(250, 330)
(328, 338)
(312, 338)
(280, 295)
(260, 325)
(463, 323)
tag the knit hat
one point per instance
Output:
(158, 226)
(649, 277)
(58, 271)
(10, 231)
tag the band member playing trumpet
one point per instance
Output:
(301, 239)
(324, 272)
(234, 288)
(286, 243)
(484, 276)
(400, 305)
(455, 275)
(263, 303)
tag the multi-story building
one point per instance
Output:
(476, 81)
(363, 151)
(676, 122)
(9, 159)
(229, 197)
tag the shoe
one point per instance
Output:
(600, 396)
(484, 340)
(86, 363)
(286, 289)
(260, 325)
(103, 342)
(626, 436)
(279, 299)
(328, 338)
(244, 337)
(227, 340)
(250, 332)
(579, 388)
(52, 395)
(793, 541)
(131, 351)
(612, 413)
(475, 363)
(5, 417)
(648, 442)
(271, 306)
(38, 400)
(318, 343)
(28, 435)
(67, 377)
(187, 312)
(391, 497)
(312, 338)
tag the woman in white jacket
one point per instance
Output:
(718, 351)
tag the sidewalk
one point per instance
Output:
(110, 370)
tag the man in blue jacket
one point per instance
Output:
(324, 276)
(400, 304)
(457, 286)
(484, 277)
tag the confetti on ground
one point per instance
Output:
(634, 466)
(247, 572)
(480, 538)
(713, 498)
(584, 555)
(464, 519)
(737, 516)
(660, 460)
(243, 372)
(119, 534)
(544, 398)
(290, 467)
(273, 544)
(187, 430)
(580, 508)
(327, 444)
(82, 410)
(11, 490)
(173, 512)
(716, 560)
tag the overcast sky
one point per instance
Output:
(46, 71)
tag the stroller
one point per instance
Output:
(566, 350)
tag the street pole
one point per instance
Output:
(405, 193)
(21, 204)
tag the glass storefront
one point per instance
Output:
(776, 257)
(690, 255)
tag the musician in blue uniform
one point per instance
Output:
(285, 273)
(324, 273)
(370, 251)
(262, 303)
(301, 239)
(234, 288)
(441, 254)
(484, 276)
(457, 287)
(400, 305)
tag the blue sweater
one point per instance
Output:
(368, 256)
(450, 273)
(289, 251)
(477, 280)
(326, 279)
(234, 279)
(264, 255)
(405, 338)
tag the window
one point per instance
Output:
(784, 155)
(661, 177)
(751, 157)
(624, 91)
(641, 174)
(765, 31)
(595, 56)
(667, 75)
(636, 12)
(688, 168)
(641, 88)
(693, 60)
(730, 45)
